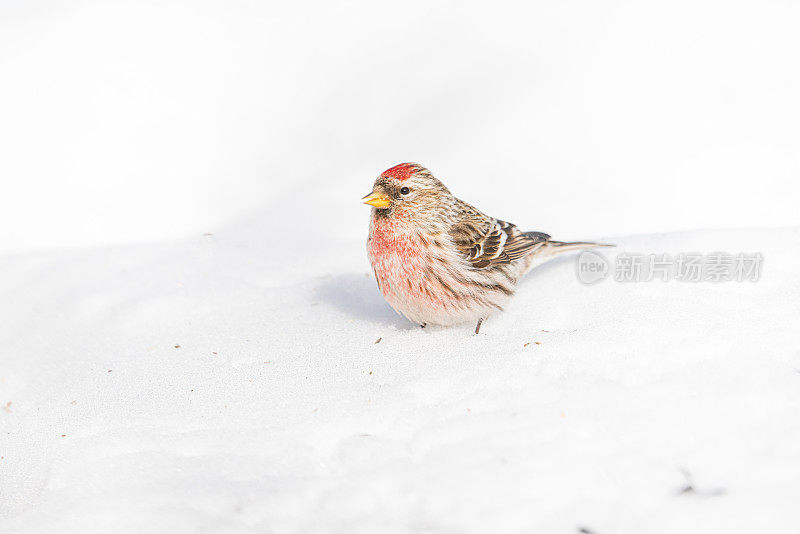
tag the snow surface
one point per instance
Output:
(202, 386)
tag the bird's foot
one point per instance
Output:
(423, 325)
(478, 328)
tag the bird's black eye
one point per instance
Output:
(405, 191)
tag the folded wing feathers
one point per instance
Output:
(519, 243)
(489, 242)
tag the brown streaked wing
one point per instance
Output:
(487, 242)
(520, 243)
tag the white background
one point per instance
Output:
(141, 121)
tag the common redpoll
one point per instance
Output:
(439, 260)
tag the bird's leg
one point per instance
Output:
(478, 328)
(423, 325)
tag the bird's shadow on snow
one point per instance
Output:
(358, 296)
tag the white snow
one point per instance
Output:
(203, 386)
(188, 321)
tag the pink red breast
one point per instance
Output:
(399, 260)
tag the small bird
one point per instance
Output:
(439, 260)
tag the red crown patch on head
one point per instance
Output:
(404, 171)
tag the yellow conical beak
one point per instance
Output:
(374, 199)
